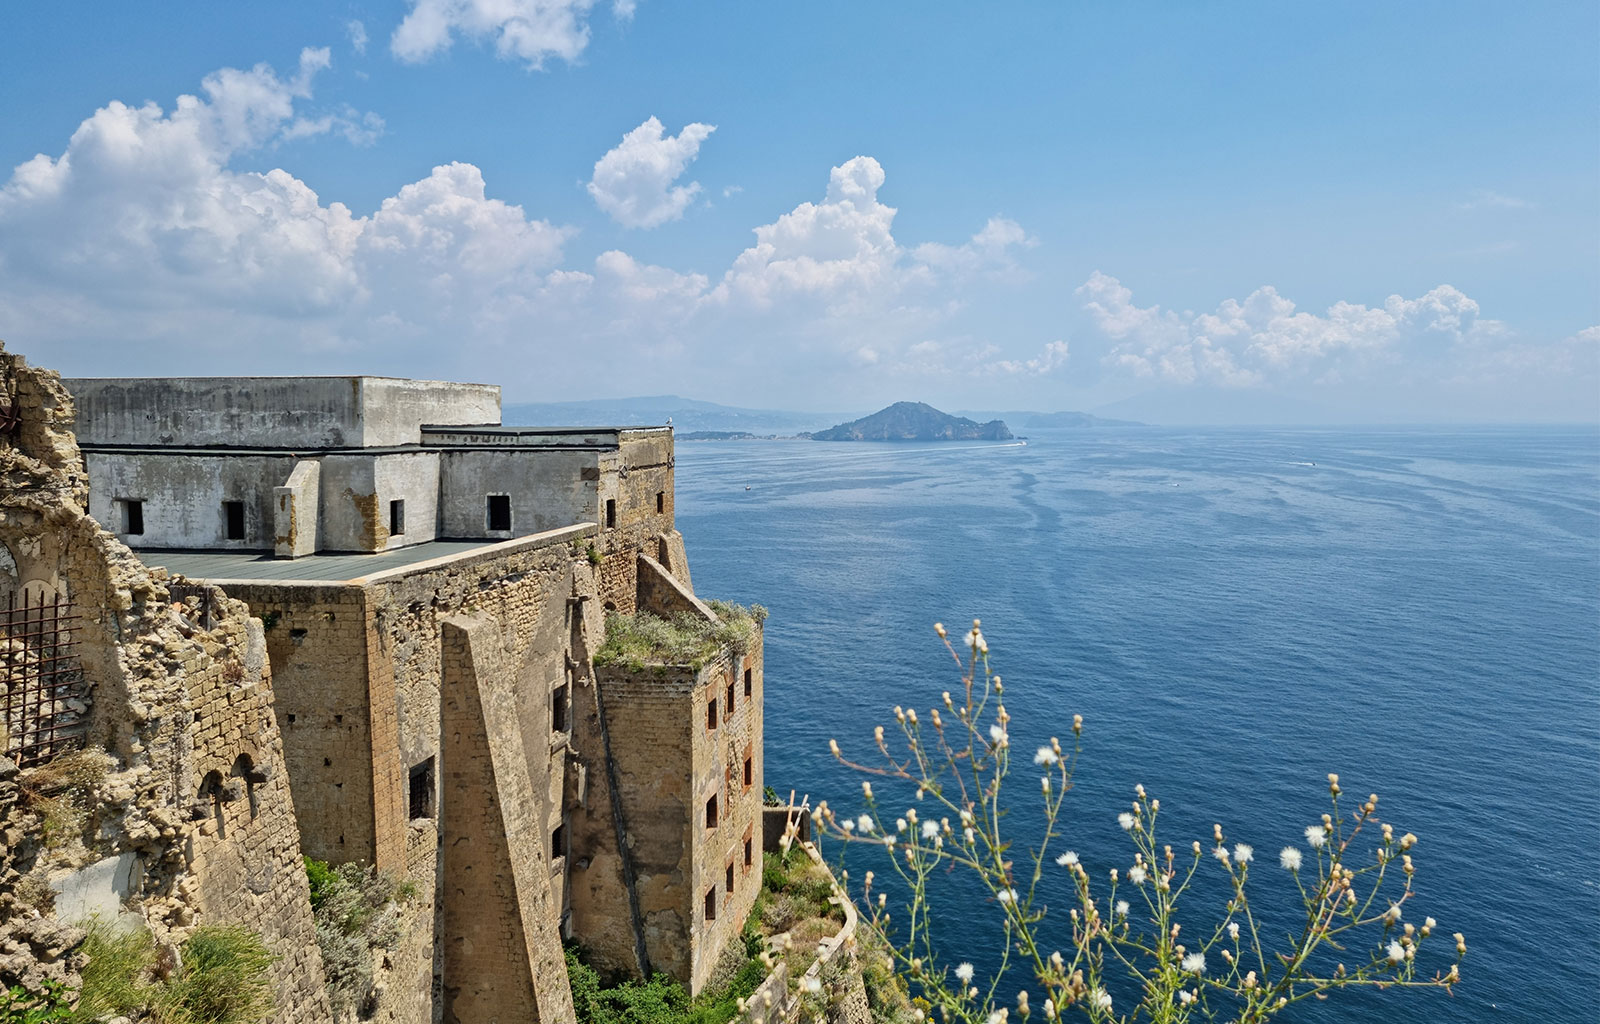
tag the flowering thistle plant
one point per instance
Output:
(1119, 954)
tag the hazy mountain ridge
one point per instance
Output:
(915, 421)
(686, 414)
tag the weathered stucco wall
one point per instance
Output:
(183, 497)
(548, 490)
(273, 412)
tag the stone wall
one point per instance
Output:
(183, 811)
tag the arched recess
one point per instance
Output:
(213, 796)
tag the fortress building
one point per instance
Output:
(433, 593)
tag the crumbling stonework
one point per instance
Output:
(178, 811)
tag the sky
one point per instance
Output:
(1219, 212)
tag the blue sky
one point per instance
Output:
(1355, 212)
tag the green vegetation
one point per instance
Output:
(636, 641)
(357, 910)
(60, 791)
(663, 1001)
(593, 555)
(796, 899)
(221, 978)
(51, 1004)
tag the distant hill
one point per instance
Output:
(914, 421)
(686, 414)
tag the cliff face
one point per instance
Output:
(914, 421)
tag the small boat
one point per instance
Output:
(747, 487)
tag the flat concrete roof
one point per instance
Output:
(326, 567)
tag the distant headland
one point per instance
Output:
(915, 421)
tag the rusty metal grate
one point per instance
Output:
(42, 692)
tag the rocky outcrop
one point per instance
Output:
(914, 421)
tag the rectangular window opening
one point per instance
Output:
(749, 773)
(558, 842)
(558, 709)
(661, 502)
(397, 518)
(421, 790)
(499, 512)
(711, 812)
(711, 713)
(611, 513)
(711, 904)
(730, 697)
(747, 682)
(233, 513)
(729, 882)
(749, 853)
(132, 516)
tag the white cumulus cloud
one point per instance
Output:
(633, 183)
(358, 35)
(1264, 337)
(532, 31)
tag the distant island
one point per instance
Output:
(724, 435)
(914, 421)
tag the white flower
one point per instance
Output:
(1221, 853)
(998, 1016)
(1195, 963)
(1233, 930)
(1067, 859)
(864, 824)
(1242, 852)
(1045, 755)
(888, 840)
(811, 983)
(1289, 857)
(964, 972)
(1122, 908)
(930, 829)
(1397, 952)
(1185, 996)
(997, 735)
(970, 835)
(1044, 784)
(1126, 821)
(1100, 999)
(1136, 875)
(1006, 895)
(1392, 915)
(1316, 836)
(899, 824)
(1430, 924)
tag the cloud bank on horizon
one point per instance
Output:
(143, 244)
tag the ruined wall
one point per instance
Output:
(183, 814)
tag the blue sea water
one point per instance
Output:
(1235, 613)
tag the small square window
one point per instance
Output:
(558, 709)
(611, 513)
(711, 713)
(747, 679)
(711, 904)
(711, 812)
(233, 517)
(421, 794)
(498, 513)
(132, 516)
(661, 502)
(397, 518)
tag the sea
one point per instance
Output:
(1236, 613)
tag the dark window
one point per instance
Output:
(711, 713)
(500, 512)
(233, 513)
(711, 903)
(747, 682)
(558, 842)
(558, 709)
(729, 701)
(711, 812)
(211, 791)
(422, 790)
(397, 518)
(730, 879)
(132, 516)
(661, 501)
(611, 512)
(748, 851)
(749, 773)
